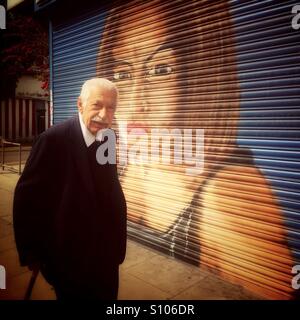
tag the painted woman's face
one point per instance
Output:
(144, 69)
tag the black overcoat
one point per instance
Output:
(60, 217)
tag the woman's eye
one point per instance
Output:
(122, 75)
(160, 70)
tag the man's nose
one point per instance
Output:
(102, 113)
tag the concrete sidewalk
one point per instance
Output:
(145, 274)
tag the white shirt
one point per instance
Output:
(89, 138)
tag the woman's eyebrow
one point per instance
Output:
(164, 46)
(118, 62)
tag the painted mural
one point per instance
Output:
(207, 127)
(175, 66)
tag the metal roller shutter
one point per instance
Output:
(224, 74)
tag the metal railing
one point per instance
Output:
(3, 143)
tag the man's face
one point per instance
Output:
(98, 110)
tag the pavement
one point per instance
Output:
(146, 274)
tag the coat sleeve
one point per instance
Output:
(120, 207)
(31, 207)
(123, 226)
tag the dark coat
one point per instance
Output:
(60, 218)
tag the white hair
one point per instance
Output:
(100, 83)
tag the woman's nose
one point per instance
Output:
(138, 97)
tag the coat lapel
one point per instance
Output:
(80, 156)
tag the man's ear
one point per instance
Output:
(79, 105)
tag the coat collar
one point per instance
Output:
(87, 136)
(79, 152)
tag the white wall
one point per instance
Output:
(29, 86)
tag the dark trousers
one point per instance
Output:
(103, 286)
(100, 293)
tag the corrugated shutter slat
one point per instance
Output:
(231, 68)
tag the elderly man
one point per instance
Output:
(69, 210)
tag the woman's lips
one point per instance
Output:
(137, 125)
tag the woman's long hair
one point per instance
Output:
(201, 34)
